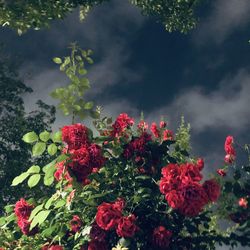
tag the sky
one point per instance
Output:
(203, 75)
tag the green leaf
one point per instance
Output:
(19, 179)
(62, 157)
(48, 180)
(44, 136)
(35, 211)
(38, 148)
(30, 137)
(57, 60)
(39, 218)
(57, 137)
(9, 208)
(33, 180)
(88, 105)
(2, 221)
(84, 83)
(48, 231)
(48, 166)
(52, 149)
(60, 203)
(82, 71)
(49, 202)
(34, 169)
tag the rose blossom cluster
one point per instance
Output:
(182, 188)
(137, 146)
(22, 211)
(122, 122)
(161, 131)
(109, 217)
(229, 149)
(86, 157)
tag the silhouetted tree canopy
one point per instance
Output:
(22, 15)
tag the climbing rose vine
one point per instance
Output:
(132, 186)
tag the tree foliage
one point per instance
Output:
(22, 15)
(14, 153)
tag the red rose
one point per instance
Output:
(162, 237)
(126, 226)
(97, 245)
(142, 126)
(95, 152)
(221, 172)
(242, 202)
(107, 216)
(168, 135)
(119, 204)
(80, 157)
(123, 121)
(155, 131)
(190, 173)
(24, 225)
(75, 224)
(195, 198)
(23, 209)
(212, 189)
(137, 146)
(167, 185)
(175, 199)
(75, 135)
(171, 171)
(200, 163)
(96, 233)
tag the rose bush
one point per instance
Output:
(126, 187)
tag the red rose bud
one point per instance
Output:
(142, 125)
(126, 226)
(154, 130)
(200, 163)
(120, 204)
(242, 202)
(229, 159)
(162, 237)
(75, 224)
(221, 172)
(163, 124)
(229, 140)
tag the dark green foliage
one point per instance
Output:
(22, 15)
(14, 153)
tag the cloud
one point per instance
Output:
(226, 17)
(225, 107)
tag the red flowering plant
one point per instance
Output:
(130, 186)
